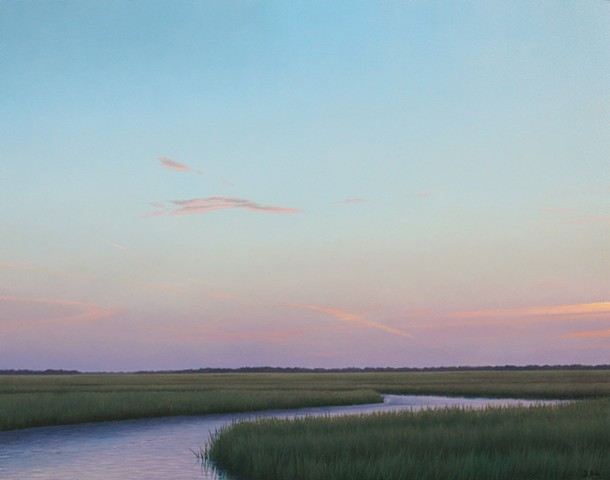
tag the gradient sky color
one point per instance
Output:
(304, 183)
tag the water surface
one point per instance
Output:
(160, 448)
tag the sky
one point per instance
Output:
(303, 183)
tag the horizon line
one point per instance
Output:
(262, 369)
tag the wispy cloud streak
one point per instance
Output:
(205, 205)
(177, 166)
(583, 309)
(161, 209)
(116, 245)
(588, 334)
(351, 317)
(86, 312)
(516, 316)
(223, 296)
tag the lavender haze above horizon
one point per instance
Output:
(304, 183)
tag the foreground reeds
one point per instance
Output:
(564, 442)
(28, 401)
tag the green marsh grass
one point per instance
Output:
(559, 442)
(31, 400)
(36, 401)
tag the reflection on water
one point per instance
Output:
(160, 448)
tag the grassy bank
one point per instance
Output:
(564, 442)
(27, 401)
(32, 401)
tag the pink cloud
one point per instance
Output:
(161, 209)
(156, 213)
(351, 317)
(223, 296)
(578, 309)
(84, 312)
(516, 316)
(354, 200)
(177, 166)
(228, 183)
(209, 204)
(588, 334)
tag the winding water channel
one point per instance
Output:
(160, 448)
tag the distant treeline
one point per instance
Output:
(385, 369)
(49, 371)
(323, 370)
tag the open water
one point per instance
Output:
(161, 448)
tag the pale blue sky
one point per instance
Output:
(476, 134)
